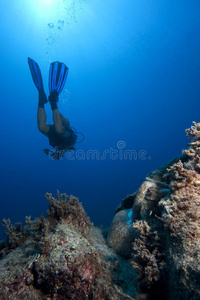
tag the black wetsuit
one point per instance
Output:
(61, 142)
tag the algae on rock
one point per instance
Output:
(166, 216)
(62, 256)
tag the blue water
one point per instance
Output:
(133, 84)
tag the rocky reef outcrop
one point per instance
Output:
(61, 256)
(150, 252)
(166, 217)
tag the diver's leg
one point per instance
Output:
(41, 120)
(53, 99)
(58, 122)
(64, 120)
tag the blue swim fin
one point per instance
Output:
(36, 74)
(37, 79)
(57, 76)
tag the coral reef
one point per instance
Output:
(166, 216)
(62, 256)
(155, 233)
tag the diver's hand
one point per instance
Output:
(46, 151)
(55, 155)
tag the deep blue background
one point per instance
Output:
(134, 76)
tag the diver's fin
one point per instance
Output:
(36, 74)
(57, 76)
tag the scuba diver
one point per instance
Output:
(61, 136)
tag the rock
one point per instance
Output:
(62, 256)
(122, 233)
(166, 215)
